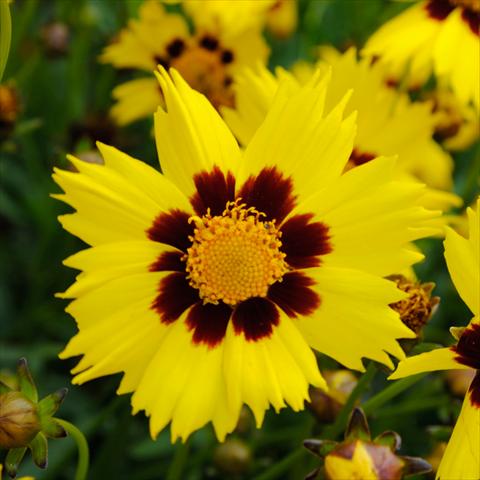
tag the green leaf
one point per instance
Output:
(39, 449)
(13, 459)
(27, 385)
(320, 448)
(4, 388)
(5, 35)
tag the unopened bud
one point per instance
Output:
(233, 456)
(56, 38)
(19, 421)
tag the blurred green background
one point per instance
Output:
(65, 97)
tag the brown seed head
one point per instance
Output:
(416, 309)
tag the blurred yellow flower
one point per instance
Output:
(433, 35)
(208, 58)
(388, 122)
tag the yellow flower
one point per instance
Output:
(208, 284)
(462, 455)
(388, 122)
(208, 58)
(433, 35)
(457, 125)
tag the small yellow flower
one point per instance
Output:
(208, 58)
(433, 35)
(234, 262)
(462, 455)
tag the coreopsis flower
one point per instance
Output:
(457, 125)
(363, 458)
(433, 35)
(462, 455)
(208, 285)
(207, 58)
(388, 122)
(26, 421)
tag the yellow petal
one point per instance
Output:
(463, 261)
(273, 370)
(354, 319)
(439, 359)
(191, 136)
(462, 456)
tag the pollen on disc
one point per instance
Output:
(234, 256)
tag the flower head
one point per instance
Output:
(461, 458)
(223, 41)
(433, 35)
(233, 262)
(359, 457)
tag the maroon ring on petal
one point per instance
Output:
(439, 9)
(473, 20)
(172, 228)
(255, 318)
(468, 347)
(270, 193)
(303, 241)
(169, 262)
(294, 295)
(214, 190)
(208, 322)
(474, 391)
(175, 295)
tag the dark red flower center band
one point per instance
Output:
(303, 242)
(468, 353)
(441, 9)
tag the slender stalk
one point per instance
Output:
(281, 467)
(341, 421)
(392, 391)
(177, 466)
(5, 35)
(82, 445)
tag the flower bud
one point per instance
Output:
(19, 421)
(233, 456)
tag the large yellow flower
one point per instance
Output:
(388, 122)
(433, 35)
(208, 284)
(208, 58)
(462, 456)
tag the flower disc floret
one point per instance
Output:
(234, 256)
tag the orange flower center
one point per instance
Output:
(234, 256)
(205, 71)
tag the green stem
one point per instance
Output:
(5, 35)
(82, 445)
(178, 463)
(392, 391)
(279, 468)
(341, 421)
